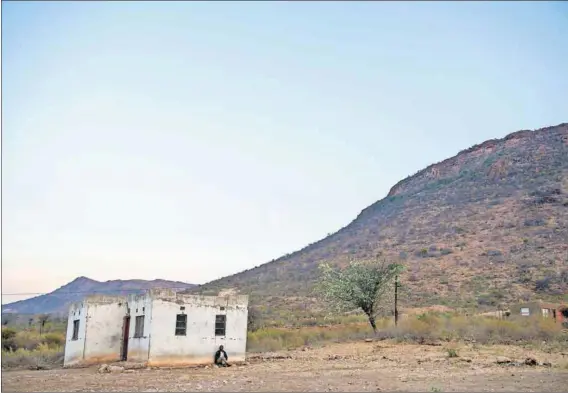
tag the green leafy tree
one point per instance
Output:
(361, 285)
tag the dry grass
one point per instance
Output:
(479, 329)
(35, 351)
(423, 328)
(29, 349)
(276, 339)
(43, 357)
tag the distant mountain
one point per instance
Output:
(485, 228)
(58, 301)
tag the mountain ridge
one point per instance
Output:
(57, 301)
(490, 143)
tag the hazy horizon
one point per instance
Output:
(188, 141)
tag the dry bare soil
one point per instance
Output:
(353, 367)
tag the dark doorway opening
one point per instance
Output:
(125, 334)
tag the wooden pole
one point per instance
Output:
(396, 300)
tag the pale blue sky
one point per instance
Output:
(188, 141)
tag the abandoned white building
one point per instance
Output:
(160, 327)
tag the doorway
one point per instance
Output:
(125, 334)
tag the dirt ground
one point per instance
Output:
(356, 367)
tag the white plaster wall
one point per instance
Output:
(74, 349)
(104, 330)
(200, 343)
(101, 323)
(138, 347)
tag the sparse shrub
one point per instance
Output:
(486, 300)
(28, 340)
(494, 253)
(534, 223)
(543, 284)
(413, 277)
(53, 340)
(8, 333)
(452, 353)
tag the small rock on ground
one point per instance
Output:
(115, 369)
(502, 360)
(103, 368)
(531, 362)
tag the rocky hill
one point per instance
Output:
(486, 227)
(58, 301)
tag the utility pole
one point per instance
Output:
(396, 300)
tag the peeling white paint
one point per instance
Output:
(100, 330)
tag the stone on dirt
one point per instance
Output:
(531, 362)
(503, 360)
(103, 368)
(115, 369)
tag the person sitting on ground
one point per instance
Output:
(221, 358)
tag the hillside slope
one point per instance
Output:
(58, 301)
(484, 228)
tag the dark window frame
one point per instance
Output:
(76, 324)
(181, 325)
(220, 325)
(139, 326)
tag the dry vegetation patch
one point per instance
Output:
(29, 349)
